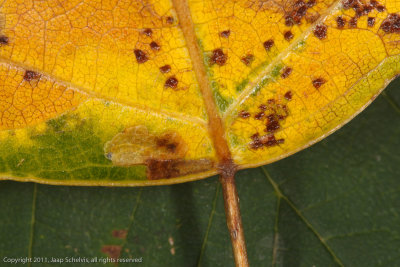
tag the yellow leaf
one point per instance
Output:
(156, 92)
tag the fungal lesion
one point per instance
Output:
(164, 154)
(272, 115)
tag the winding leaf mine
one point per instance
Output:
(112, 92)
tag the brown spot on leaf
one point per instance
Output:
(141, 56)
(268, 44)
(298, 10)
(4, 40)
(168, 142)
(113, 251)
(317, 83)
(170, 168)
(225, 34)
(272, 124)
(31, 75)
(244, 114)
(154, 46)
(170, 20)
(371, 22)
(165, 68)
(320, 31)
(267, 140)
(248, 59)
(380, 8)
(286, 72)
(391, 24)
(119, 233)
(289, 21)
(311, 3)
(353, 22)
(171, 82)
(288, 95)
(256, 142)
(218, 57)
(341, 22)
(262, 107)
(373, 3)
(148, 32)
(259, 115)
(347, 4)
(288, 35)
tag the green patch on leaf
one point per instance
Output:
(242, 85)
(68, 149)
(276, 70)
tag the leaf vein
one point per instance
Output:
(210, 220)
(302, 217)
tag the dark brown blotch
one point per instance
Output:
(272, 141)
(288, 35)
(171, 82)
(347, 4)
(272, 124)
(168, 143)
(248, 59)
(380, 8)
(268, 44)
(169, 168)
(267, 140)
(256, 142)
(31, 75)
(218, 57)
(288, 95)
(244, 114)
(298, 11)
(391, 24)
(311, 3)
(289, 21)
(4, 40)
(262, 107)
(225, 34)
(170, 20)
(317, 83)
(165, 68)
(141, 56)
(286, 72)
(320, 31)
(374, 3)
(341, 22)
(371, 22)
(148, 32)
(154, 46)
(259, 115)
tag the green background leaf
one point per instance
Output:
(334, 203)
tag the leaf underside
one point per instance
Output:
(112, 92)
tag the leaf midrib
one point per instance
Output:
(215, 124)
